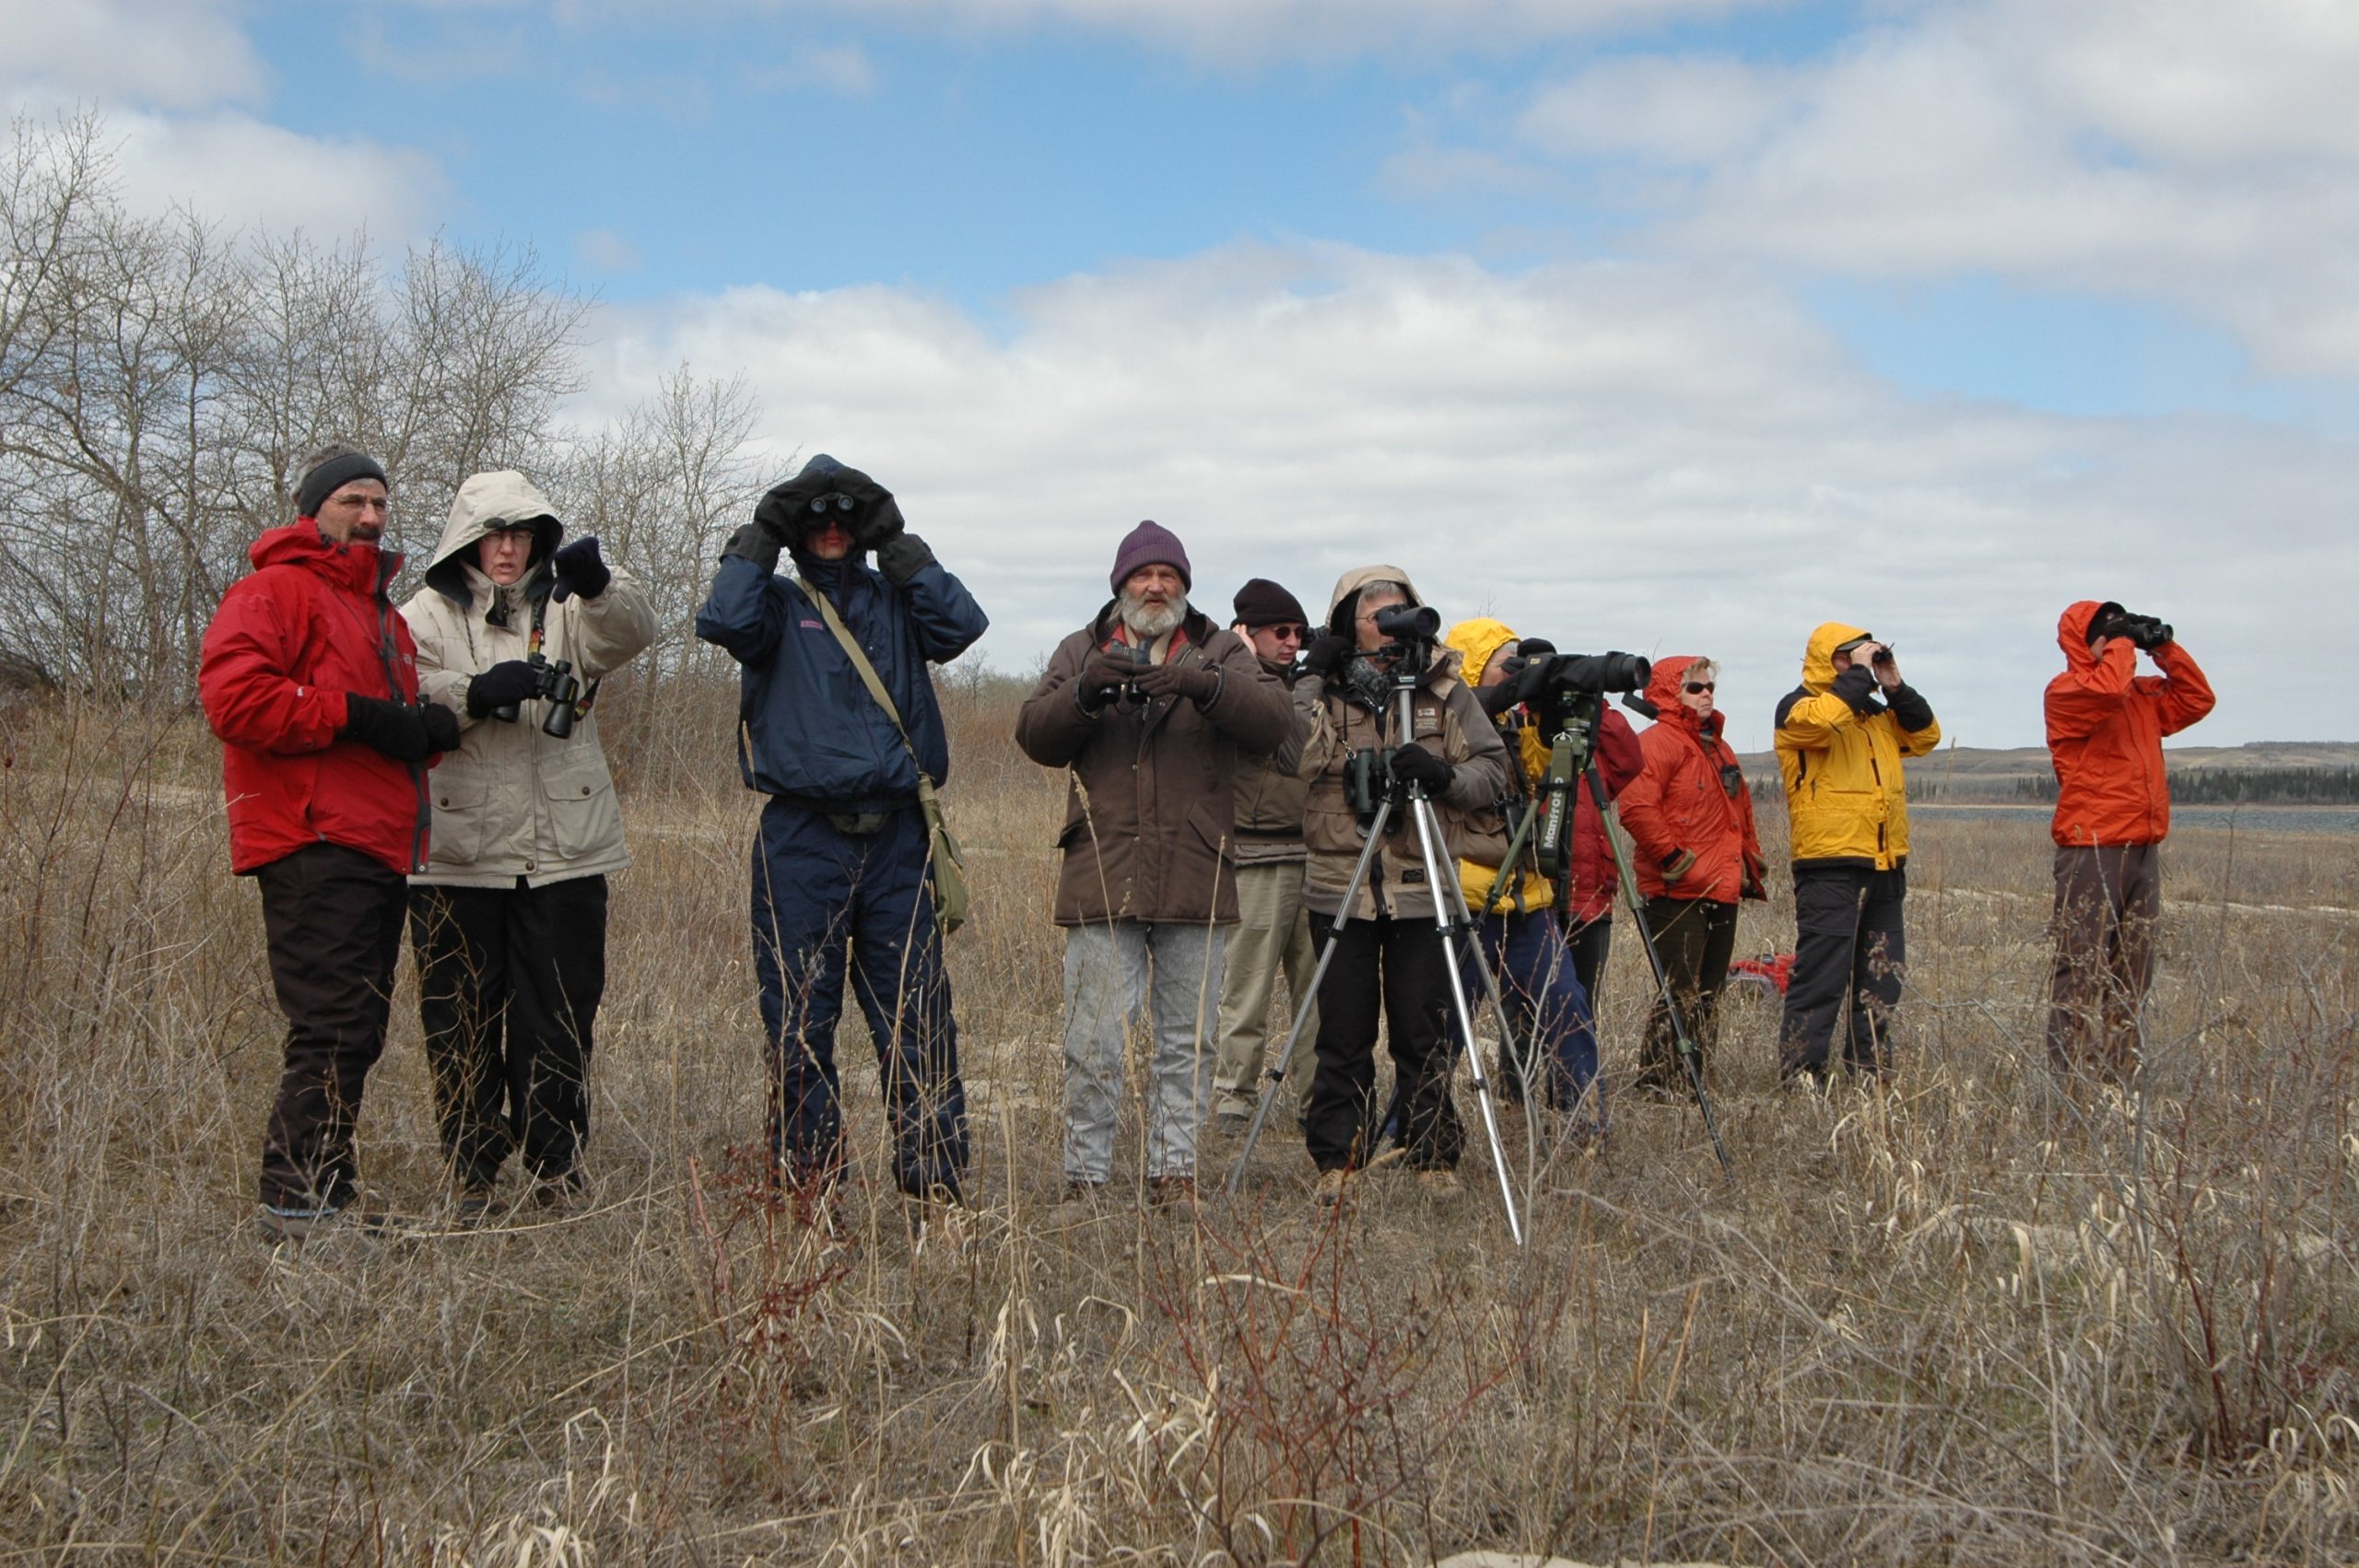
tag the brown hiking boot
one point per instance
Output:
(1165, 1192)
(1329, 1192)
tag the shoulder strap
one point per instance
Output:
(868, 677)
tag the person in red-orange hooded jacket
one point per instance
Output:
(2106, 724)
(1690, 816)
(310, 678)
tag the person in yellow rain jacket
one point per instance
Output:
(1841, 738)
(1521, 939)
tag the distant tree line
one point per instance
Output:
(2237, 785)
(162, 381)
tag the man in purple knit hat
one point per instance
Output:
(1152, 709)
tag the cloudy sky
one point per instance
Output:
(1673, 325)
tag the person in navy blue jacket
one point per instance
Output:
(840, 877)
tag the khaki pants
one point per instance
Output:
(1271, 928)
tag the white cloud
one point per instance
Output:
(1233, 32)
(2181, 150)
(836, 68)
(170, 53)
(1676, 112)
(240, 171)
(605, 249)
(168, 79)
(1664, 459)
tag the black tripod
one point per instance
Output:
(1573, 754)
(1449, 919)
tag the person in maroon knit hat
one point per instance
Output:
(1152, 708)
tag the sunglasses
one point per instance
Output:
(843, 502)
(1693, 688)
(1296, 632)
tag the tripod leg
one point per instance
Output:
(1275, 1074)
(1449, 920)
(1683, 1038)
(1523, 1062)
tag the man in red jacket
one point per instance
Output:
(2106, 724)
(310, 679)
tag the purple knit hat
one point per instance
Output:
(1151, 543)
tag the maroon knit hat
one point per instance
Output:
(1151, 543)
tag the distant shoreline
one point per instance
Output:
(2047, 808)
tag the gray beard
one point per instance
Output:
(1148, 622)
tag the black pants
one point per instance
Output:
(1590, 941)
(1848, 946)
(332, 919)
(1694, 938)
(1403, 962)
(509, 982)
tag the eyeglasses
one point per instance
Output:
(843, 502)
(1296, 632)
(1697, 688)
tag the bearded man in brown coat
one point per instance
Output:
(1151, 707)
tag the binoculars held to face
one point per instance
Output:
(554, 684)
(2148, 632)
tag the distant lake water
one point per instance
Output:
(2257, 819)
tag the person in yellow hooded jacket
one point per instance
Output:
(1522, 940)
(1842, 736)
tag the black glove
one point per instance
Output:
(1197, 683)
(1101, 678)
(441, 727)
(580, 569)
(901, 557)
(1857, 686)
(1677, 864)
(877, 524)
(505, 685)
(1416, 765)
(1535, 648)
(394, 729)
(1327, 655)
(755, 543)
(1531, 683)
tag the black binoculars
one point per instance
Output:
(1369, 781)
(2148, 632)
(554, 684)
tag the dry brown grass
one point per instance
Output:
(1956, 1322)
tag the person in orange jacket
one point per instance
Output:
(2106, 724)
(1690, 816)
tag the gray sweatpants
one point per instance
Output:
(1122, 976)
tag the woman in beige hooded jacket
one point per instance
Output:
(507, 921)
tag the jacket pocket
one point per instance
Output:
(461, 810)
(583, 818)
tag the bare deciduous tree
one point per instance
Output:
(161, 379)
